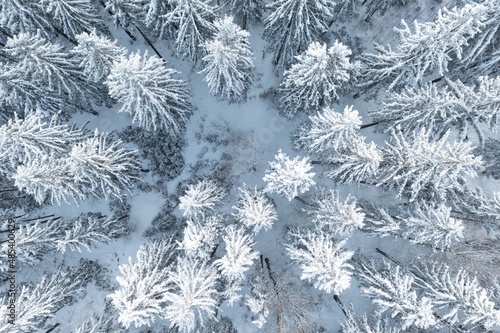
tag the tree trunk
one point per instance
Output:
(53, 328)
(149, 42)
(341, 305)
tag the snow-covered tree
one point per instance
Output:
(24, 139)
(381, 6)
(392, 289)
(199, 198)
(104, 165)
(125, 12)
(201, 236)
(316, 78)
(322, 260)
(429, 48)
(20, 94)
(74, 16)
(421, 165)
(357, 161)
(44, 63)
(149, 92)
(36, 239)
(35, 304)
(293, 25)
(254, 209)
(48, 176)
(192, 298)
(96, 324)
(228, 62)
(336, 216)
(246, 11)
(193, 19)
(328, 130)
(239, 254)
(258, 301)
(154, 16)
(96, 54)
(219, 325)
(425, 224)
(144, 284)
(458, 297)
(289, 177)
(440, 109)
(355, 323)
(24, 16)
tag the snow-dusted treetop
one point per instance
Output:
(149, 92)
(229, 61)
(239, 255)
(200, 198)
(430, 47)
(316, 78)
(192, 298)
(334, 215)
(322, 260)
(254, 209)
(289, 177)
(328, 130)
(424, 165)
(96, 55)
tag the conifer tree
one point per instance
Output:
(200, 198)
(96, 54)
(421, 165)
(228, 61)
(293, 25)
(194, 22)
(246, 12)
(428, 48)
(74, 16)
(316, 79)
(289, 177)
(149, 92)
(322, 260)
(254, 209)
(24, 16)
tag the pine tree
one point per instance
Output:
(361, 324)
(429, 48)
(293, 25)
(193, 296)
(104, 165)
(357, 161)
(391, 289)
(440, 110)
(254, 209)
(193, 19)
(48, 64)
(144, 284)
(201, 236)
(125, 13)
(74, 16)
(200, 198)
(154, 17)
(24, 16)
(96, 54)
(35, 240)
(458, 297)
(35, 304)
(289, 177)
(328, 130)
(20, 94)
(425, 166)
(228, 62)
(321, 259)
(239, 254)
(316, 79)
(425, 224)
(246, 11)
(149, 92)
(21, 140)
(336, 216)
(48, 177)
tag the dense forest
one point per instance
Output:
(242, 166)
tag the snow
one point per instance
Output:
(261, 132)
